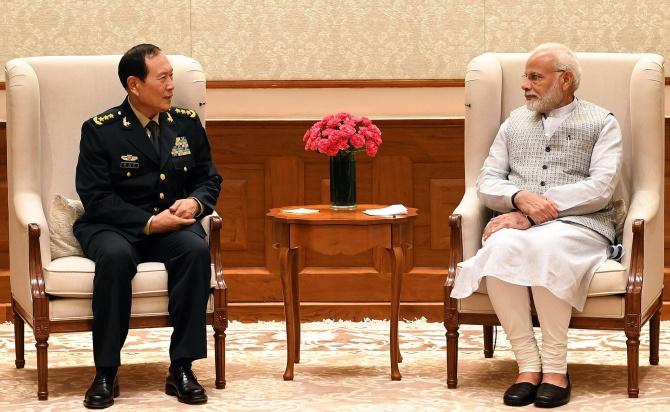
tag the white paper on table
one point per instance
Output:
(387, 211)
(300, 211)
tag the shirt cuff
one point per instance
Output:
(147, 227)
(200, 208)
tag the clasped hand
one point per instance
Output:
(538, 207)
(181, 213)
(512, 220)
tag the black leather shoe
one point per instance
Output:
(520, 394)
(103, 390)
(551, 396)
(182, 383)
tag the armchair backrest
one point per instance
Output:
(48, 99)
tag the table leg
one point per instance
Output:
(295, 284)
(286, 258)
(397, 263)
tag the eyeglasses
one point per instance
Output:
(535, 77)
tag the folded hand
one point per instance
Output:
(538, 207)
(168, 222)
(513, 220)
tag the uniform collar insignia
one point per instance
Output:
(126, 123)
(168, 117)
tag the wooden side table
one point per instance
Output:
(337, 233)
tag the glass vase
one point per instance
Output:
(343, 181)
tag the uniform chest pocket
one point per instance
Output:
(183, 163)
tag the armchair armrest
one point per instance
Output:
(214, 237)
(473, 219)
(29, 251)
(206, 223)
(28, 210)
(466, 223)
(645, 205)
(643, 242)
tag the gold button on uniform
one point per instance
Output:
(161, 195)
(128, 174)
(185, 169)
(162, 176)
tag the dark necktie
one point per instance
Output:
(153, 135)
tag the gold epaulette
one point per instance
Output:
(184, 112)
(106, 117)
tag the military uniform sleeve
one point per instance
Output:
(205, 182)
(95, 189)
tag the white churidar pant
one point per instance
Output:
(512, 305)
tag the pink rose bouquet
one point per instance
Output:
(343, 132)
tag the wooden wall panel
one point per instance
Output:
(233, 203)
(413, 153)
(264, 165)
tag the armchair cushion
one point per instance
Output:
(79, 309)
(611, 306)
(72, 277)
(610, 279)
(64, 212)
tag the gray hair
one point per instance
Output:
(565, 60)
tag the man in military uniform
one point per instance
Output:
(145, 177)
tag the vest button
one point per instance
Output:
(542, 183)
(544, 167)
(162, 176)
(547, 149)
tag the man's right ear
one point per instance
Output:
(132, 85)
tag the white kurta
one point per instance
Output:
(559, 256)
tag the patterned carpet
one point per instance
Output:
(345, 367)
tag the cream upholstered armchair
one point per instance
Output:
(622, 296)
(48, 99)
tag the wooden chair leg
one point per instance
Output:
(488, 341)
(633, 349)
(19, 342)
(220, 357)
(42, 366)
(452, 356)
(654, 336)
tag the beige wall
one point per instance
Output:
(328, 39)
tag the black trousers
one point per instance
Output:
(186, 258)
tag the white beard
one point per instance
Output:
(548, 102)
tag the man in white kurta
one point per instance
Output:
(550, 174)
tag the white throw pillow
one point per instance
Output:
(64, 212)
